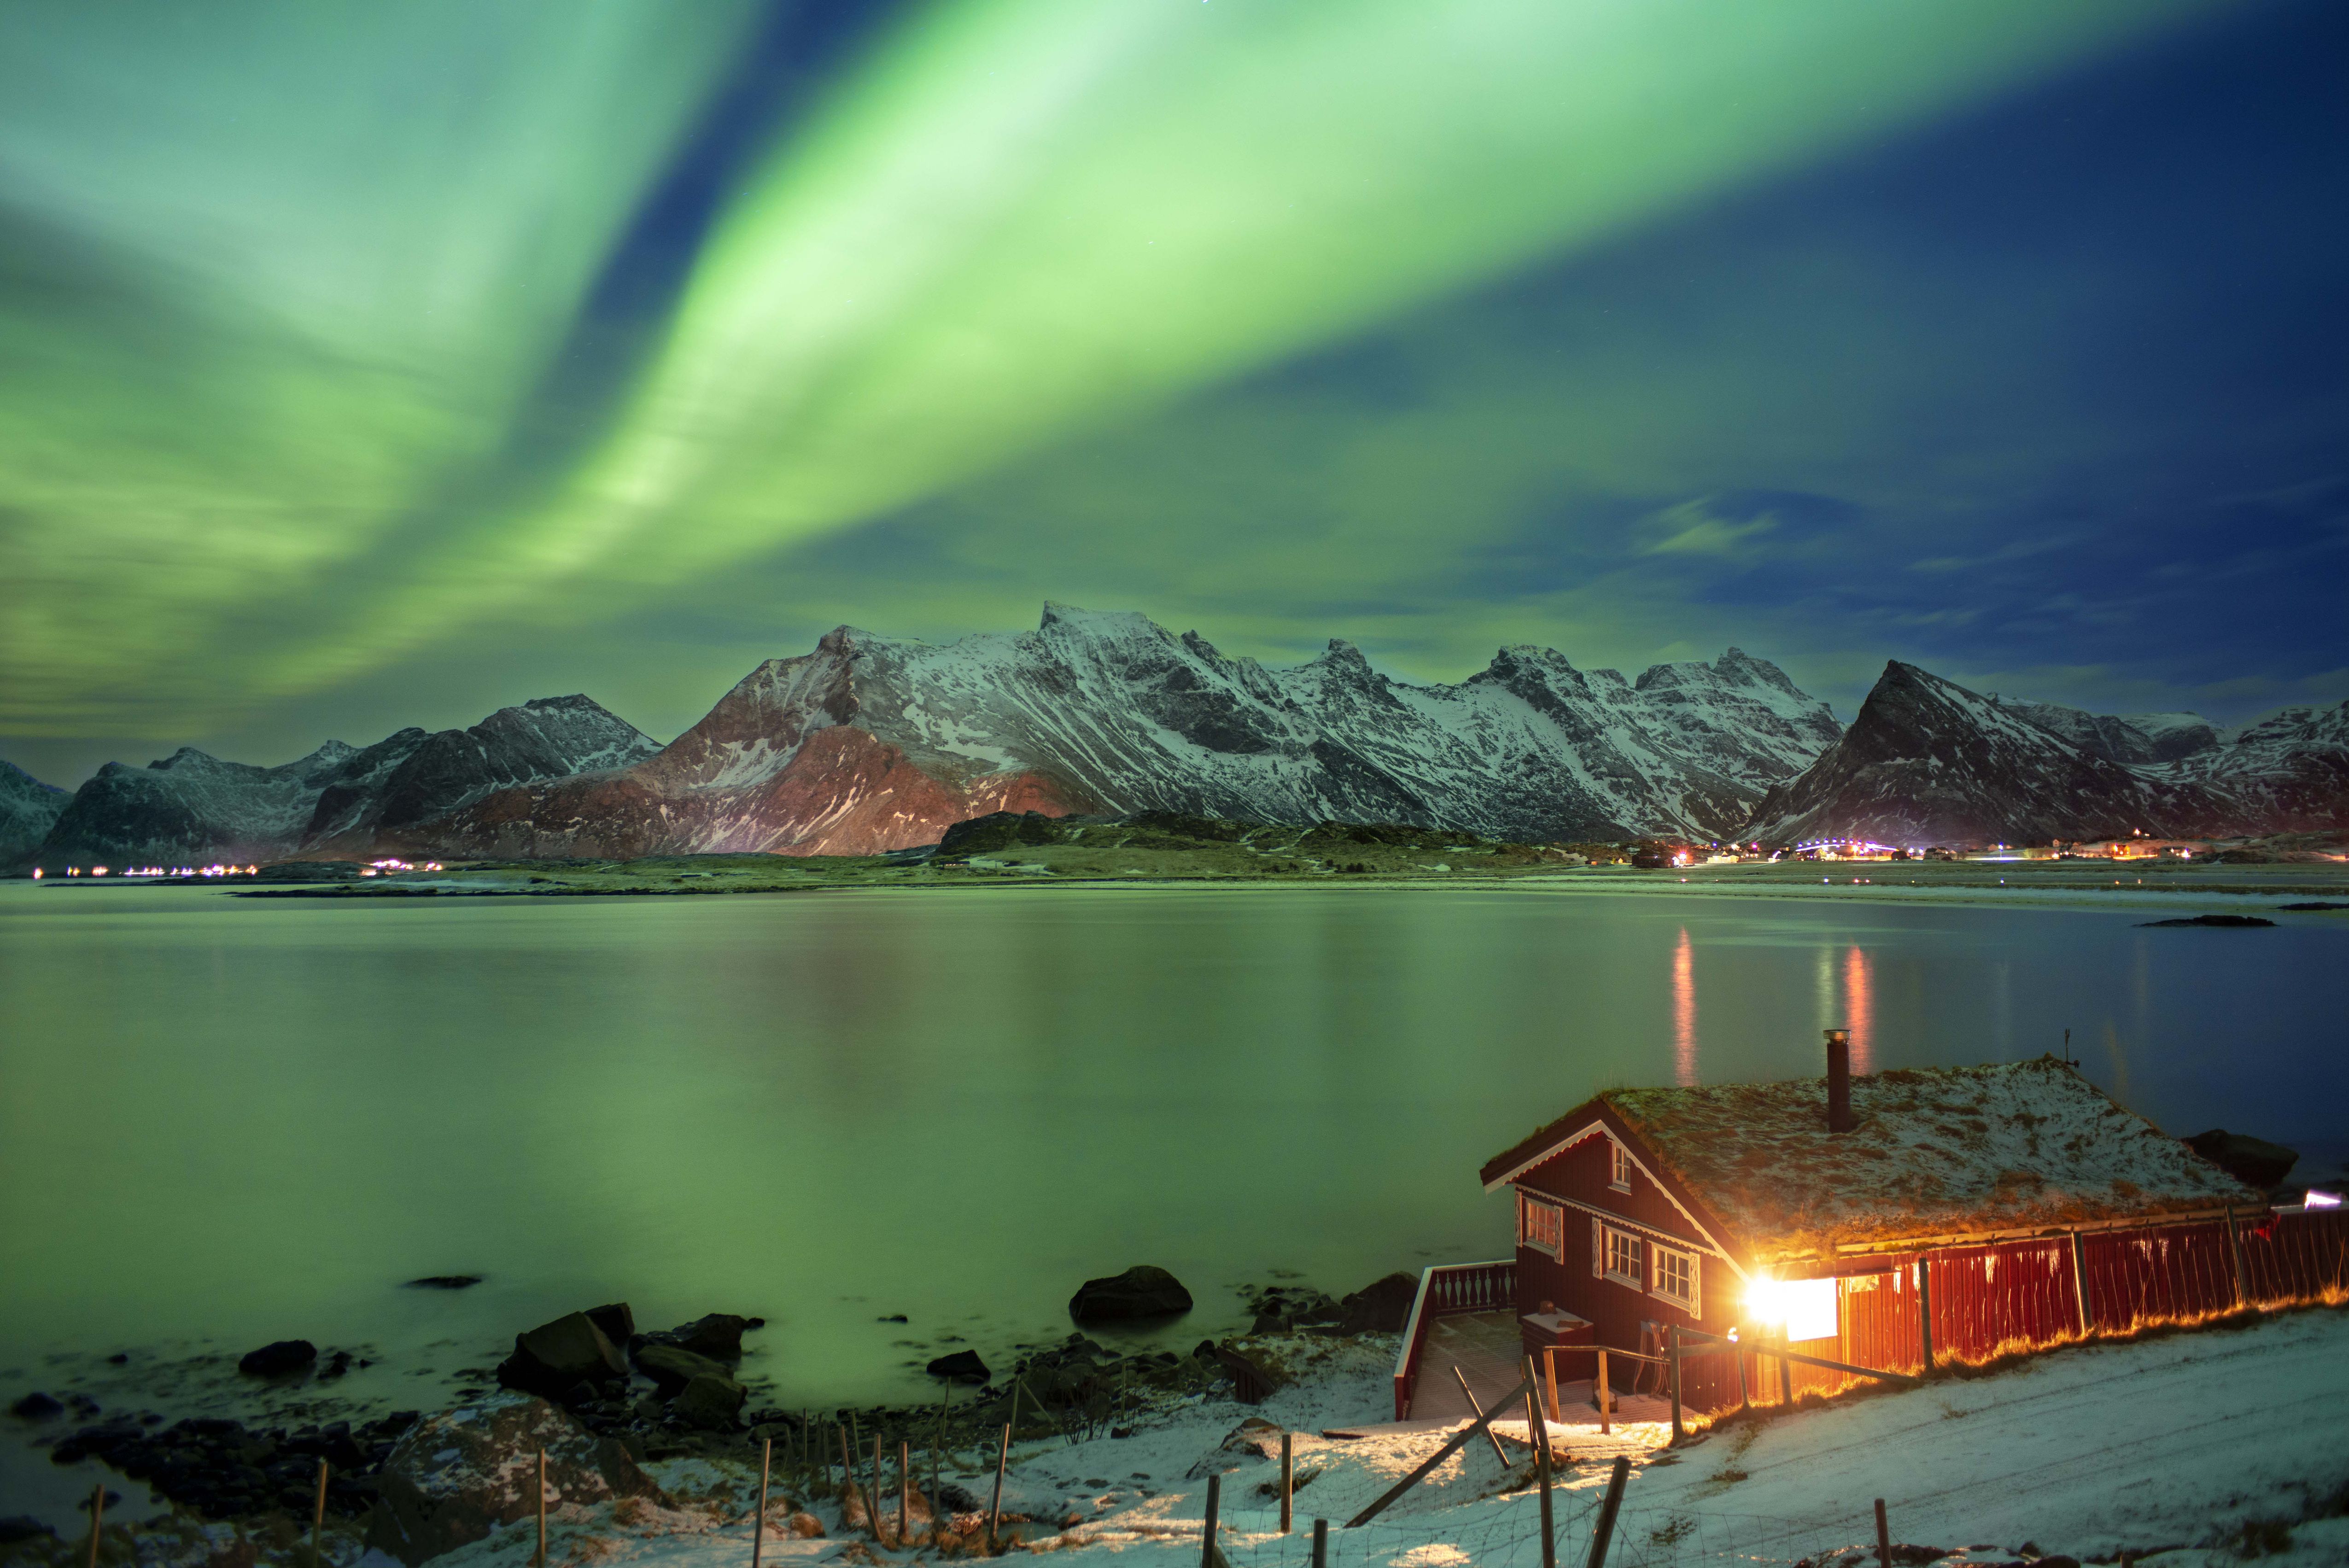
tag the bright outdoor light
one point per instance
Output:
(1805, 1309)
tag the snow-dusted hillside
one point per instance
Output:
(193, 808)
(1928, 761)
(872, 742)
(29, 809)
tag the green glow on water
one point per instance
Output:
(252, 1120)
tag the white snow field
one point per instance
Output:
(2186, 1444)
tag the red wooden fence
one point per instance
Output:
(2012, 1295)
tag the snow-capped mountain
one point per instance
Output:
(29, 809)
(337, 802)
(1929, 761)
(2122, 738)
(870, 744)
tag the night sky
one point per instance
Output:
(368, 365)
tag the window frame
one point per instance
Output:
(1694, 1264)
(1608, 1236)
(1619, 1167)
(1553, 1245)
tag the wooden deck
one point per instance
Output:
(1486, 1348)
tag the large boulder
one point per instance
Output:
(555, 1358)
(2253, 1161)
(279, 1359)
(457, 1476)
(671, 1368)
(712, 1401)
(960, 1366)
(1379, 1307)
(1142, 1291)
(618, 1324)
(717, 1335)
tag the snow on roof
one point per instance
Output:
(1936, 1151)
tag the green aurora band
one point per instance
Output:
(279, 283)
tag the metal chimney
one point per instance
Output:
(1839, 1080)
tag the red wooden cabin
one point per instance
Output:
(2030, 1205)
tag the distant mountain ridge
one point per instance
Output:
(1929, 761)
(870, 744)
(28, 810)
(194, 808)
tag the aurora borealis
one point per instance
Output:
(362, 367)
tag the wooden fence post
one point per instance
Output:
(1320, 1543)
(1549, 1367)
(1605, 1534)
(96, 1521)
(1537, 1428)
(318, 1518)
(1925, 1306)
(758, 1526)
(542, 1508)
(873, 1492)
(1786, 1371)
(1672, 1359)
(1288, 1478)
(904, 1490)
(2235, 1247)
(1207, 1535)
(1605, 1428)
(995, 1509)
(1883, 1533)
(2080, 1282)
(1550, 1533)
(1745, 1396)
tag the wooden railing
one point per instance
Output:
(1445, 1291)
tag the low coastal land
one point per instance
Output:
(1164, 849)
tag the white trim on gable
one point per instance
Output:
(1562, 1144)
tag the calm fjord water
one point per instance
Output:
(243, 1120)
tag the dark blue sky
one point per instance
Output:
(2049, 393)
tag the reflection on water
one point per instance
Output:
(1859, 1011)
(1684, 1010)
(253, 1119)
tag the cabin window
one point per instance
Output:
(1541, 1226)
(1676, 1279)
(1620, 1258)
(1620, 1167)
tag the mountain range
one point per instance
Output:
(1929, 761)
(869, 744)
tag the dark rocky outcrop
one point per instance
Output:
(671, 1367)
(1142, 1291)
(960, 1366)
(553, 1359)
(711, 1401)
(717, 1335)
(1383, 1306)
(2223, 922)
(36, 1407)
(618, 1324)
(456, 1477)
(2253, 1161)
(445, 1282)
(281, 1359)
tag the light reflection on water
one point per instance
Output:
(251, 1120)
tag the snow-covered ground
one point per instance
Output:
(2189, 1445)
